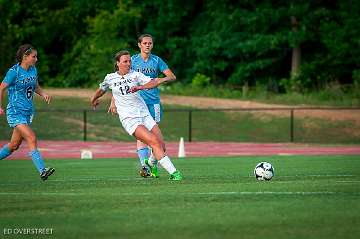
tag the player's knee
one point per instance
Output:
(140, 144)
(13, 146)
(155, 143)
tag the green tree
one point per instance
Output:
(333, 53)
(299, 45)
(245, 42)
(170, 23)
(51, 26)
(92, 55)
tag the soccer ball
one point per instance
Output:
(264, 171)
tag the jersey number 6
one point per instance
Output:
(29, 92)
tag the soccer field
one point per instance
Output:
(309, 197)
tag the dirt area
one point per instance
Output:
(206, 102)
(83, 93)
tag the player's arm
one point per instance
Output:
(169, 74)
(95, 99)
(112, 108)
(3, 86)
(9, 79)
(151, 84)
(41, 92)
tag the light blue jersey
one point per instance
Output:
(152, 68)
(21, 88)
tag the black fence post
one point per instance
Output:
(190, 126)
(84, 118)
(292, 125)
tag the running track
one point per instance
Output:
(72, 149)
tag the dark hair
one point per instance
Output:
(24, 50)
(141, 37)
(117, 58)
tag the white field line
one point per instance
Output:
(354, 181)
(140, 179)
(298, 193)
(320, 175)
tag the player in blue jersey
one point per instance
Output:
(152, 66)
(21, 80)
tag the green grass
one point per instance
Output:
(309, 197)
(230, 126)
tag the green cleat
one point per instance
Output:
(153, 169)
(176, 176)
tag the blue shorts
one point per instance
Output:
(156, 111)
(19, 118)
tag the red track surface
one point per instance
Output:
(72, 149)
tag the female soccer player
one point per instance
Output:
(22, 81)
(132, 110)
(150, 65)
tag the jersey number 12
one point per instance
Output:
(124, 90)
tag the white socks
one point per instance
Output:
(166, 163)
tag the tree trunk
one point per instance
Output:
(296, 52)
(245, 89)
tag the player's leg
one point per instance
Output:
(156, 113)
(13, 119)
(143, 154)
(5, 151)
(13, 145)
(143, 150)
(157, 132)
(28, 134)
(152, 162)
(148, 137)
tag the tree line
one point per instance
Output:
(283, 45)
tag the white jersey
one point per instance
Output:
(128, 104)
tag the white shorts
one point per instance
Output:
(130, 124)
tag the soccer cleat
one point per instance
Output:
(176, 176)
(46, 173)
(144, 172)
(153, 169)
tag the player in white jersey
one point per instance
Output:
(131, 108)
(152, 66)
